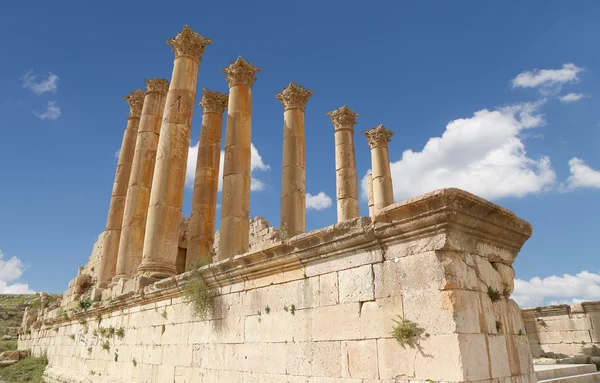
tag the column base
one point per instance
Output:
(117, 278)
(156, 270)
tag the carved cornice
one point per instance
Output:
(213, 101)
(343, 117)
(240, 72)
(160, 85)
(189, 43)
(294, 96)
(378, 136)
(135, 101)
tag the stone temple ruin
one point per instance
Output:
(417, 291)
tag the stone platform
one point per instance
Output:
(319, 307)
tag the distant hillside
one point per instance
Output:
(12, 307)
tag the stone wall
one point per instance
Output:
(320, 307)
(262, 234)
(564, 331)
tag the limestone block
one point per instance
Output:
(459, 270)
(395, 362)
(387, 278)
(279, 326)
(487, 275)
(314, 359)
(439, 359)
(444, 312)
(331, 265)
(376, 317)
(302, 293)
(498, 356)
(356, 285)
(328, 289)
(359, 359)
(507, 276)
(339, 322)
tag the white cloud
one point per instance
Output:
(256, 164)
(52, 112)
(318, 202)
(117, 153)
(482, 154)
(48, 83)
(11, 270)
(571, 97)
(550, 81)
(584, 286)
(582, 176)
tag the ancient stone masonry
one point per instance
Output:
(166, 198)
(206, 182)
(293, 168)
(110, 250)
(140, 181)
(320, 308)
(343, 120)
(418, 291)
(569, 332)
(381, 177)
(235, 209)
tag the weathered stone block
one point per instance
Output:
(359, 359)
(356, 285)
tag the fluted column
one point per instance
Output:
(140, 182)
(343, 120)
(383, 192)
(370, 194)
(293, 169)
(112, 234)
(166, 198)
(201, 228)
(235, 203)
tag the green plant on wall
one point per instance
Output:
(198, 295)
(406, 332)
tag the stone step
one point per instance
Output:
(552, 371)
(582, 378)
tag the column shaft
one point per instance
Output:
(344, 120)
(235, 206)
(345, 172)
(383, 193)
(293, 169)
(112, 234)
(370, 194)
(166, 197)
(201, 228)
(293, 174)
(140, 182)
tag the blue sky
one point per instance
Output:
(509, 89)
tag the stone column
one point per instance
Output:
(112, 234)
(383, 192)
(293, 169)
(166, 198)
(201, 229)
(140, 182)
(235, 203)
(370, 194)
(344, 120)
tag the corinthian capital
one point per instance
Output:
(189, 43)
(294, 96)
(214, 102)
(241, 72)
(378, 136)
(135, 101)
(160, 85)
(343, 117)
